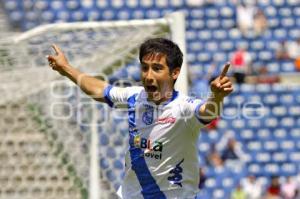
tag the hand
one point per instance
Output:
(222, 85)
(58, 61)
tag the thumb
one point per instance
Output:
(51, 58)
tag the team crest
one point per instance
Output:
(148, 115)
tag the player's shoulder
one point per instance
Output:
(186, 99)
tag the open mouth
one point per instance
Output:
(151, 88)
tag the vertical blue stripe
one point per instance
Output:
(150, 190)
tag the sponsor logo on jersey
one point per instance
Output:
(166, 120)
(176, 172)
(151, 149)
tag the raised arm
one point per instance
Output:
(88, 84)
(220, 88)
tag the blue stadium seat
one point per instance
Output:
(286, 99)
(211, 46)
(203, 147)
(255, 169)
(72, 5)
(41, 5)
(153, 14)
(262, 157)
(295, 133)
(279, 88)
(210, 182)
(239, 124)
(47, 17)
(218, 194)
(271, 99)
(211, 13)
(108, 15)
(254, 146)
(247, 134)
(123, 15)
(234, 34)
(273, 23)
(227, 45)
(16, 16)
(63, 15)
(111, 152)
(111, 175)
(287, 122)
(264, 133)
(227, 12)
(220, 34)
(287, 145)
(288, 169)
(204, 57)
(270, 12)
(279, 111)
(204, 194)
(247, 88)
(280, 33)
(295, 156)
(254, 123)
(220, 57)
(227, 23)
(204, 35)
(104, 164)
(271, 169)
(138, 14)
(93, 14)
(280, 133)
(118, 164)
(57, 5)
(278, 3)
(257, 45)
(271, 122)
(294, 33)
(271, 146)
(279, 157)
(117, 4)
(287, 66)
(212, 23)
(196, 14)
(104, 139)
(288, 22)
(132, 4)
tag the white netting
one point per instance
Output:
(46, 122)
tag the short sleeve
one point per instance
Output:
(119, 95)
(191, 109)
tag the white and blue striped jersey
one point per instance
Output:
(162, 159)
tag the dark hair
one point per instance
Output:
(173, 53)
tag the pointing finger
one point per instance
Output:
(225, 70)
(56, 49)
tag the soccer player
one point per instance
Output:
(162, 159)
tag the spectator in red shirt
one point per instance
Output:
(240, 61)
(273, 191)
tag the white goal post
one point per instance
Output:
(71, 143)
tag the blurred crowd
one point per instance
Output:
(278, 188)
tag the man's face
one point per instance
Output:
(157, 78)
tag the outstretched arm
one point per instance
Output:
(88, 84)
(220, 88)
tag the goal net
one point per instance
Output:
(55, 141)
